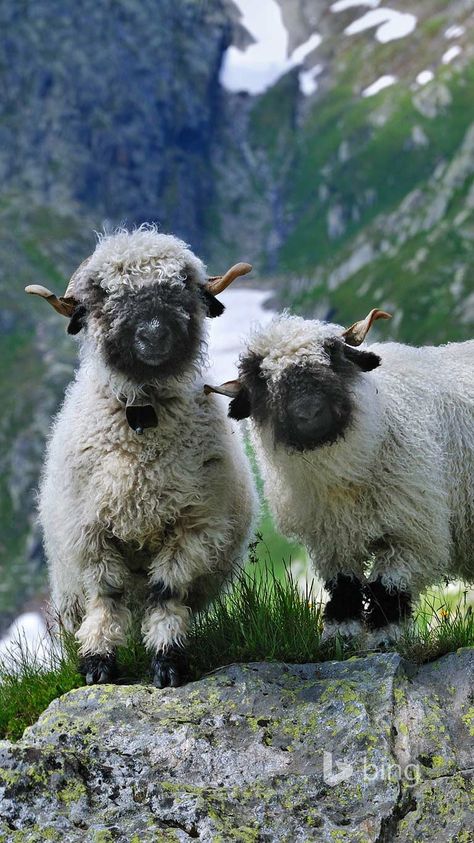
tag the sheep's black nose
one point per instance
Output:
(306, 415)
(150, 331)
(309, 411)
(153, 338)
(310, 417)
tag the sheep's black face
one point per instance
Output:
(153, 331)
(311, 403)
(312, 407)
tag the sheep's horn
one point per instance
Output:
(63, 305)
(230, 388)
(217, 283)
(356, 334)
(71, 287)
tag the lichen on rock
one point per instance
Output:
(365, 750)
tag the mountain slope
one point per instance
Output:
(350, 200)
(36, 244)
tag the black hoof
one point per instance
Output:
(99, 669)
(169, 669)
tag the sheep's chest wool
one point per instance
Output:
(141, 489)
(164, 491)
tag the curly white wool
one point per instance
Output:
(146, 256)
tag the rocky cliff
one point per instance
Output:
(366, 750)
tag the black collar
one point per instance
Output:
(141, 416)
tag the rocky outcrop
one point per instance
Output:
(365, 750)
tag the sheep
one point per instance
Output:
(367, 456)
(146, 492)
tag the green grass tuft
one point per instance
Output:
(261, 618)
(441, 625)
(27, 686)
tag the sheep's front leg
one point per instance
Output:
(164, 632)
(191, 550)
(106, 618)
(343, 611)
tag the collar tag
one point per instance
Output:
(141, 417)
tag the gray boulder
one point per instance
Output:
(369, 749)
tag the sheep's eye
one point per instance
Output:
(96, 294)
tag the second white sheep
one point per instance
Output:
(367, 456)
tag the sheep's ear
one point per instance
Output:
(214, 306)
(365, 360)
(240, 406)
(77, 320)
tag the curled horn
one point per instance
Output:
(230, 389)
(356, 334)
(217, 283)
(64, 304)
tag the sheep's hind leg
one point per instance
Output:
(343, 611)
(389, 608)
(164, 632)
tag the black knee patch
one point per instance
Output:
(346, 602)
(386, 606)
(159, 592)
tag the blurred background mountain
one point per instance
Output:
(329, 143)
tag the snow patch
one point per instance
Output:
(244, 307)
(309, 80)
(27, 635)
(260, 65)
(342, 5)
(424, 77)
(390, 24)
(418, 136)
(454, 31)
(379, 85)
(451, 54)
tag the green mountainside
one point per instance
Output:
(348, 201)
(36, 245)
(114, 113)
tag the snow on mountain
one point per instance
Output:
(451, 54)
(424, 77)
(379, 85)
(455, 32)
(342, 5)
(259, 66)
(309, 80)
(390, 24)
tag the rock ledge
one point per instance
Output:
(369, 749)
